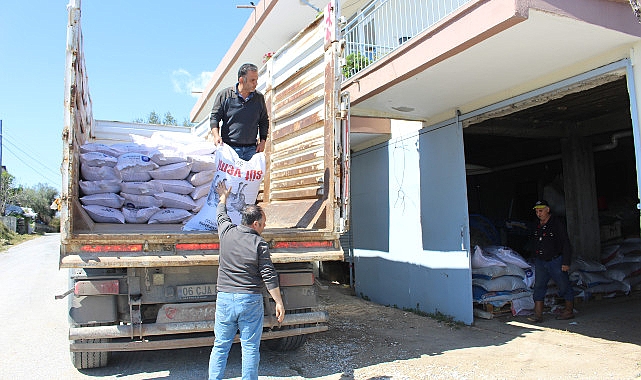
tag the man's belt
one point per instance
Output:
(234, 145)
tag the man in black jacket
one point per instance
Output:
(242, 110)
(552, 258)
(244, 268)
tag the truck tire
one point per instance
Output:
(288, 343)
(86, 360)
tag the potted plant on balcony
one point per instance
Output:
(355, 62)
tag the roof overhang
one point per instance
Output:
(492, 50)
(272, 24)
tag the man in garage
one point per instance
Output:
(552, 258)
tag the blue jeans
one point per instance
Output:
(245, 152)
(543, 271)
(237, 312)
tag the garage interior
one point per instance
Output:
(518, 154)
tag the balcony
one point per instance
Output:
(384, 25)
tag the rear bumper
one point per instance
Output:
(173, 333)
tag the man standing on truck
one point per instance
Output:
(243, 113)
(244, 267)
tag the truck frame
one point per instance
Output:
(152, 286)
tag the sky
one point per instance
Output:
(141, 56)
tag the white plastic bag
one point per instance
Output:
(244, 178)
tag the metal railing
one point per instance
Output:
(384, 25)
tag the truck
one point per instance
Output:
(152, 286)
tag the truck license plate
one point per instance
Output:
(196, 291)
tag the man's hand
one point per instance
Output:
(260, 147)
(565, 268)
(280, 308)
(280, 312)
(214, 136)
(223, 192)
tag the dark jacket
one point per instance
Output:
(242, 119)
(551, 240)
(244, 260)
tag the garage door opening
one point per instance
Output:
(520, 154)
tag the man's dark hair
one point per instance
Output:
(251, 214)
(242, 72)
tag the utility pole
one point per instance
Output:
(1, 147)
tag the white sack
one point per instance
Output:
(503, 283)
(166, 156)
(200, 191)
(199, 148)
(103, 199)
(509, 256)
(139, 215)
(202, 178)
(135, 167)
(178, 186)
(97, 187)
(125, 148)
(244, 178)
(170, 215)
(173, 200)
(141, 188)
(480, 260)
(202, 163)
(96, 147)
(98, 173)
(140, 201)
(178, 170)
(97, 159)
(495, 271)
(102, 214)
(199, 204)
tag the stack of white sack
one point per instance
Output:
(623, 261)
(500, 275)
(590, 277)
(146, 181)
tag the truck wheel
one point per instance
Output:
(86, 360)
(288, 343)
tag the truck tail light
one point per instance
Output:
(296, 279)
(197, 246)
(96, 287)
(112, 248)
(304, 244)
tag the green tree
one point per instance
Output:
(153, 118)
(39, 198)
(169, 119)
(8, 191)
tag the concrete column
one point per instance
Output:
(580, 197)
(634, 83)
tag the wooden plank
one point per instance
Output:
(102, 261)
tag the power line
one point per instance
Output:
(51, 182)
(28, 155)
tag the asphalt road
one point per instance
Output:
(365, 340)
(34, 327)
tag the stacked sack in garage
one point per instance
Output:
(618, 272)
(500, 276)
(157, 179)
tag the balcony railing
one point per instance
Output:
(384, 25)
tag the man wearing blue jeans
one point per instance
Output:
(243, 113)
(244, 267)
(552, 258)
